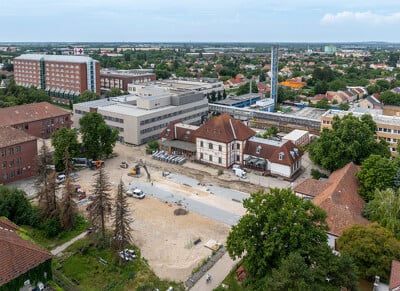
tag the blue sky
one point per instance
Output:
(200, 21)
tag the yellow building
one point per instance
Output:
(388, 126)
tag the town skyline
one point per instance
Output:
(190, 21)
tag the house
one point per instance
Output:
(220, 141)
(394, 283)
(22, 263)
(339, 197)
(37, 119)
(370, 103)
(18, 152)
(276, 158)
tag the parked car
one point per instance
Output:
(124, 165)
(127, 254)
(135, 193)
(60, 178)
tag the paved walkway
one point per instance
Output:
(218, 273)
(62, 247)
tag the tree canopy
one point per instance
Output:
(372, 248)
(98, 139)
(87, 96)
(351, 139)
(278, 225)
(64, 140)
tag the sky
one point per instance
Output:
(199, 21)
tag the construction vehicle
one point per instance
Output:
(85, 162)
(135, 171)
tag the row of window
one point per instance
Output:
(210, 158)
(11, 174)
(176, 113)
(388, 130)
(11, 163)
(10, 151)
(62, 66)
(54, 120)
(111, 118)
(165, 124)
(120, 129)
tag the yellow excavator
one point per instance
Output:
(135, 171)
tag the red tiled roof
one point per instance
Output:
(177, 131)
(341, 200)
(311, 187)
(18, 256)
(12, 136)
(5, 223)
(289, 154)
(394, 275)
(224, 128)
(29, 112)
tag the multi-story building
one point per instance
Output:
(37, 119)
(63, 77)
(120, 79)
(388, 126)
(141, 117)
(18, 152)
(204, 85)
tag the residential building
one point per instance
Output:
(388, 126)
(23, 265)
(223, 141)
(394, 283)
(18, 153)
(338, 196)
(63, 77)
(370, 103)
(141, 117)
(111, 78)
(37, 119)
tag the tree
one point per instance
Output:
(68, 208)
(98, 139)
(275, 225)
(151, 146)
(101, 204)
(62, 140)
(351, 139)
(372, 248)
(122, 228)
(385, 209)
(376, 173)
(87, 96)
(113, 92)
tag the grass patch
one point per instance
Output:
(81, 265)
(38, 236)
(231, 282)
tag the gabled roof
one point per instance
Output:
(224, 128)
(287, 154)
(11, 136)
(311, 187)
(17, 255)
(394, 276)
(29, 112)
(341, 200)
(178, 131)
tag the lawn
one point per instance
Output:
(98, 269)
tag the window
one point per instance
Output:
(10, 151)
(18, 160)
(4, 165)
(11, 163)
(201, 144)
(201, 156)
(18, 149)
(233, 147)
(281, 155)
(210, 158)
(220, 160)
(3, 152)
(210, 146)
(220, 148)
(258, 149)
(12, 174)
(4, 176)
(238, 146)
(19, 172)
(237, 158)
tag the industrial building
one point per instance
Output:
(110, 78)
(63, 77)
(142, 116)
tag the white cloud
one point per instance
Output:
(360, 17)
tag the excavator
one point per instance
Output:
(135, 171)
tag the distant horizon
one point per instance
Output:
(207, 21)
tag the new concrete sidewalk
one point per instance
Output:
(62, 247)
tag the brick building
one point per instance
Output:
(121, 78)
(38, 119)
(18, 153)
(63, 77)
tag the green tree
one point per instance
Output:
(351, 139)
(385, 209)
(98, 139)
(275, 225)
(113, 92)
(372, 248)
(87, 96)
(376, 173)
(151, 146)
(64, 140)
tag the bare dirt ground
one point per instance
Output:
(166, 240)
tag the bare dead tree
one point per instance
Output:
(45, 182)
(68, 208)
(122, 227)
(100, 208)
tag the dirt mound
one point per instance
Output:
(180, 211)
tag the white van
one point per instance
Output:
(135, 193)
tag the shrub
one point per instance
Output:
(317, 174)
